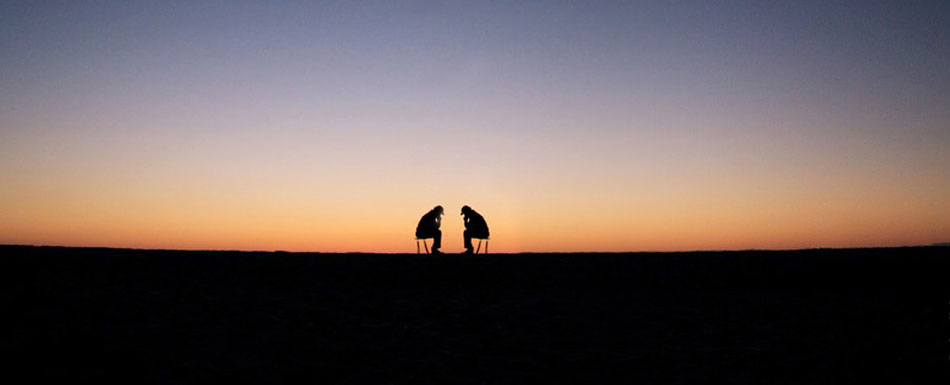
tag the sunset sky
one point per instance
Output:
(571, 126)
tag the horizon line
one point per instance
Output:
(938, 244)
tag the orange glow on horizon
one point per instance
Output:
(614, 217)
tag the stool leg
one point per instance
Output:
(486, 247)
(479, 247)
(417, 246)
(426, 245)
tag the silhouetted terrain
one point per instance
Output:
(791, 317)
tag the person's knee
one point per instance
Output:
(466, 233)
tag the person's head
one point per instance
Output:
(466, 210)
(439, 210)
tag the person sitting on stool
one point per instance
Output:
(428, 227)
(475, 227)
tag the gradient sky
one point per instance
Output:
(571, 126)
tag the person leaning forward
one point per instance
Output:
(475, 227)
(428, 227)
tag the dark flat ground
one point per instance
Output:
(755, 317)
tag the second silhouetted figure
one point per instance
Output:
(475, 227)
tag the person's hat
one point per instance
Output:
(464, 209)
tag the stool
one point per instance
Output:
(424, 243)
(480, 245)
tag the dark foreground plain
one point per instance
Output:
(750, 317)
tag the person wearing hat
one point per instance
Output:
(428, 227)
(475, 227)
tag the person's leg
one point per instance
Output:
(468, 239)
(437, 239)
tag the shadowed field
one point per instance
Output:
(808, 317)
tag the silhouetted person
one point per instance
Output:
(475, 227)
(429, 228)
